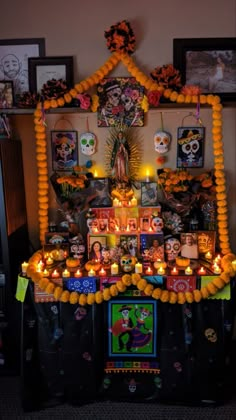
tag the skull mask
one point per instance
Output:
(172, 248)
(162, 142)
(157, 224)
(88, 143)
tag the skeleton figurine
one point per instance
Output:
(88, 143)
(172, 248)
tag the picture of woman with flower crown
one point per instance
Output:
(64, 150)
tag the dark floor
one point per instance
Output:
(11, 408)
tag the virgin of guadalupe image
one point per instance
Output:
(120, 158)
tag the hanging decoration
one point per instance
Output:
(88, 142)
(120, 37)
(190, 143)
(162, 141)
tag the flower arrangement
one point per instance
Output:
(53, 89)
(191, 90)
(167, 76)
(72, 183)
(120, 37)
(174, 180)
(153, 97)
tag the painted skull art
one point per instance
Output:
(88, 143)
(157, 224)
(211, 335)
(127, 263)
(172, 248)
(162, 141)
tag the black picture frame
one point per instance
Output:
(42, 69)
(101, 187)
(149, 194)
(6, 94)
(195, 59)
(190, 147)
(19, 51)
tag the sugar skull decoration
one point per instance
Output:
(190, 147)
(172, 248)
(127, 263)
(88, 143)
(162, 141)
(157, 224)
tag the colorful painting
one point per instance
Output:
(152, 246)
(132, 328)
(190, 145)
(120, 101)
(64, 150)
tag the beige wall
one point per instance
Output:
(77, 28)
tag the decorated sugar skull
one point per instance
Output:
(190, 144)
(211, 335)
(204, 242)
(157, 224)
(162, 141)
(172, 248)
(113, 94)
(127, 263)
(88, 143)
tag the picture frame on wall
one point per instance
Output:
(64, 144)
(149, 196)
(96, 244)
(43, 69)
(190, 147)
(6, 94)
(209, 63)
(14, 55)
(101, 189)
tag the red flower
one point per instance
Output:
(154, 97)
(85, 100)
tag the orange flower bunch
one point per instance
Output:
(174, 181)
(167, 76)
(120, 37)
(72, 182)
(191, 90)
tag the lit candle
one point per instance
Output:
(65, 254)
(66, 273)
(39, 268)
(134, 201)
(91, 272)
(147, 175)
(234, 264)
(114, 268)
(174, 271)
(208, 255)
(45, 273)
(138, 268)
(161, 271)
(217, 259)
(102, 272)
(24, 267)
(188, 270)
(95, 174)
(49, 261)
(78, 273)
(149, 271)
(55, 274)
(115, 202)
(202, 271)
(216, 269)
(150, 229)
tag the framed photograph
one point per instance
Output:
(152, 246)
(95, 247)
(209, 63)
(103, 225)
(189, 245)
(14, 54)
(6, 94)
(64, 145)
(120, 102)
(127, 335)
(190, 147)
(206, 242)
(101, 188)
(41, 70)
(129, 245)
(145, 224)
(132, 224)
(149, 195)
(114, 224)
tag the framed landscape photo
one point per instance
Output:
(41, 70)
(209, 63)
(14, 54)
(6, 94)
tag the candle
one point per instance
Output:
(91, 272)
(216, 269)
(78, 273)
(45, 273)
(150, 229)
(134, 201)
(159, 263)
(161, 271)
(202, 271)
(49, 261)
(138, 268)
(24, 267)
(114, 268)
(217, 259)
(147, 175)
(234, 264)
(102, 272)
(188, 270)
(95, 174)
(149, 271)
(66, 273)
(174, 271)
(115, 202)
(55, 274)
(208, 255)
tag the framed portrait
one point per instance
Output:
(189, 245)
(101, 188)
(152, 246)
(64, 145)
(149, 196)
(145, 224)
(190, 147)
(129, 244)
(41, 70)
(127, 336)
(120, 102)
(14, 54)
(209, 63)
(206, 242)
(103, 225)
(132, 224)
(95, 246)
(6, 94)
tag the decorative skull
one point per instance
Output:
(190, 149)
(113, 95)
(127, 263)
(162, 142)
(88, 143)
(157, 224)
(211, 335)
(172, 248)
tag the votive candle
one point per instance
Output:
(216, 269)
(49, 261)
(161, 271)
(55, 274)
(234, 264)
(174, 271)
(138, 268)
(102, 272)
(45, 273)
(149, 271)
(24, 267)
(114, 268)
(66, 273)
(208, 255)
(78, 273)
(202, 271)
(91, 272)
(188, 270)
